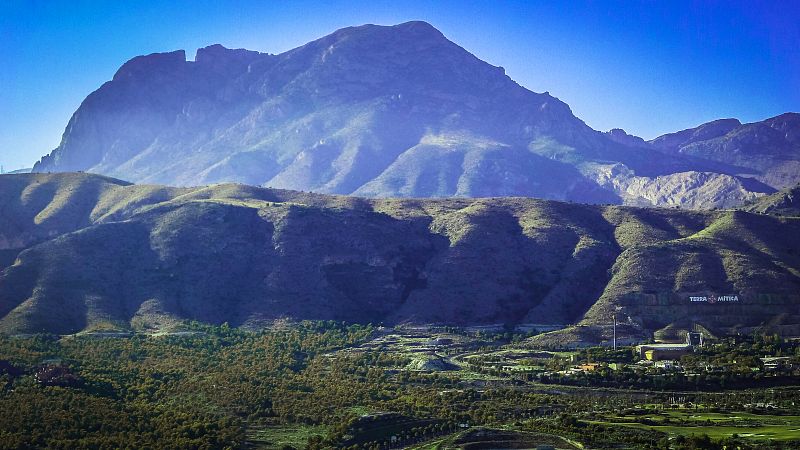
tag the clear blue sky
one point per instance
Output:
(649, 67)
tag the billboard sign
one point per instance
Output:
(711, 299)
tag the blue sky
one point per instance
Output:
(649, 67)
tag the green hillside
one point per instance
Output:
(84, 252)
(784, 203)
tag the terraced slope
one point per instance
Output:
(94, 253)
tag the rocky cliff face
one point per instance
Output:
(375, 111)
(91, 252)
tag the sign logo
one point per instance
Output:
(712, 299)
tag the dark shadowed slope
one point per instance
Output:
(94, 253)
(373, 111)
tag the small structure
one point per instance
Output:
(589, 367)
(582, 368)
(694, 339)
(658, 352)
(439, 342)
(667, 364)
(777, 363)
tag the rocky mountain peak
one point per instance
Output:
(674, 141)
(419, 27)
(154, 62)
(417, 32)
(218, 57)
(621, 136)
(715, 128)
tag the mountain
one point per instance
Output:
(377, 111)
(768, 151)
(84, 252)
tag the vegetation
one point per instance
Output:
(329, 384)
(93, 253)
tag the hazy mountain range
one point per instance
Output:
(81, 252)
(399, 111)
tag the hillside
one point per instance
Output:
(385, 111)
(785, 202)
(91, 252)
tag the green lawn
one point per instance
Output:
(433, 444)
(532, 439)
(361, 410)
(718, 425)
(278, 436)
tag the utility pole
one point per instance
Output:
(615, 331)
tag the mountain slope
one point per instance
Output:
(768, 151)
(148, 258)
(371, 110)
(785, 202)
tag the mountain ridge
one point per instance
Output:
(85, 252)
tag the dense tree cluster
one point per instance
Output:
(210, 386)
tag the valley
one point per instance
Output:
(330, 384)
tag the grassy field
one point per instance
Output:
(480, 438)
(434, 444)
(361, 410)
(282, 435)
(715, 425)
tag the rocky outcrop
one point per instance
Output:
(619, 135)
